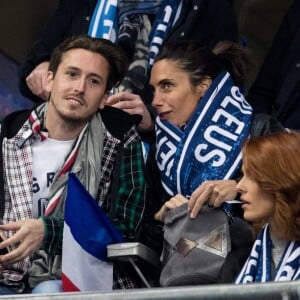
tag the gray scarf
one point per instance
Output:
(87, 166)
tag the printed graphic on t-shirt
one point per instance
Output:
(48, 158)
(40, 186)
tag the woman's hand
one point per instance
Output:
(212, 192)
(132, 104)
(172, 203)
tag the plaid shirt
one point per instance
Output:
(128, 204)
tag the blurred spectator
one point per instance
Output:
(207, 21)
(10, 96)
(276, 89)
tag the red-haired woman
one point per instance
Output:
(270, 192)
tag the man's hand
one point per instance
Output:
(172, 203)
(4, 250)
(212, 192)
(132, 104)
(27, 239)
(37, 80)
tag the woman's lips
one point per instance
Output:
(244, 203)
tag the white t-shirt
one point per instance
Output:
(48, 157)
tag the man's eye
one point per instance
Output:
(71, 73)
(94, 81)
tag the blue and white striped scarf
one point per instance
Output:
(164, 21)
(104, 22)
(258, 266)
(210, 146)
(127, 22)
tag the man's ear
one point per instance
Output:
(49, 82)
(104, 99)
(203, 86)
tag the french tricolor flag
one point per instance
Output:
(87, 232)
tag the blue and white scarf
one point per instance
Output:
(210, 146)
(162, 25)
(258, 266)
(127, 22)
(104, 22)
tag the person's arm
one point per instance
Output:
(52, 242)
(54, 32)
(129, 204)
(262, 94)
(152, 229)
(37, 80)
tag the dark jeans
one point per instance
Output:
(4, 290)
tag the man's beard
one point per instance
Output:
(73, 119)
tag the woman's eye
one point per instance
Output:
(166, 85)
